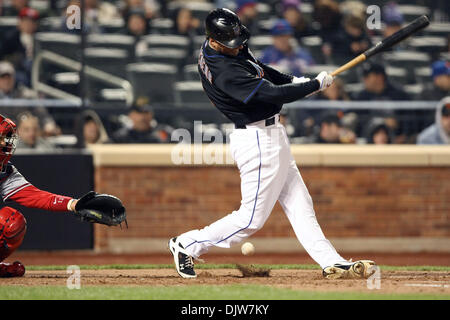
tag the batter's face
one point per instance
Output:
(222, 49)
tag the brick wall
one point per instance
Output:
(163, 201)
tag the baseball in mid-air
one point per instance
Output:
(248, 249)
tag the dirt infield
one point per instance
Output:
(92, 258)
(391, 281)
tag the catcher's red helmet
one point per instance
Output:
(8, 140)
(13, 227)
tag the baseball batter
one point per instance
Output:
(14, 187)
(251, 95)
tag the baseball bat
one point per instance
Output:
(418, 24)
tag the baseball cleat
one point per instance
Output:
(184, 263)
(361, 269)
(10, 270)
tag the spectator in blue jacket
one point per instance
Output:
(283, 54)
(438, 132)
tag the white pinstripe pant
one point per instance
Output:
(268, 174)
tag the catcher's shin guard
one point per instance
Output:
(13, 227)
(9, 270)
(361, 269)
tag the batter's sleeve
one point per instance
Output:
(16, 188)
(13, 184)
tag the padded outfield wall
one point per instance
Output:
(367, 198)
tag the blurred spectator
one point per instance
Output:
(248, 13)
(143, 128)
(137, 23)
(9, 87)
(378, 132)
(283, 54)
(439, 132)
(393, 20)
(334, 92)
(90, 129)
(293, 15)
(330, 128)
(377, 86)
(30, 135)
(328, 17)
(18, 44)
(95, 13)
(184, 23)
(350, 41)
(14, 8)
(440, 87)
(286, 122)
(150, 7)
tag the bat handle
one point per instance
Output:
(349, 65)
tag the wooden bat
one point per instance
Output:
(402, 34)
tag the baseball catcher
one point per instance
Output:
(251, 94)
(92, 207)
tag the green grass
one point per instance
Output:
(195, 292)
(204, 292)
(229, 266)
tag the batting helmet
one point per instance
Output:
(225, 27)
(13, 227)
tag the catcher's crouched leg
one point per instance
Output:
(13, 226)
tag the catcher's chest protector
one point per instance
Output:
(13, 226)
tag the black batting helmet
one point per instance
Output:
(225, 27)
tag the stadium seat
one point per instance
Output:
(411, 12)
(161, 26)
(174, 57)
(314, 46)
(64, 44)
(66, 81)
(115, 41)
(166, 41)
(437, 29)
(423, 74)
(354, 88)
(50, 24)
(112, 61)
(258, 43)
(429, 44)
(264, 11)
(153, 80)
(190, 72)
(397, 75)
(307, 10)
(414, 90)
(7, 24)
(264, 26)
(190, 93)
(199, 9)
(112, 26)
(407, 59)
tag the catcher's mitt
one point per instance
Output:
(101, 208)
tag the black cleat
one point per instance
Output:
(184, 263)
